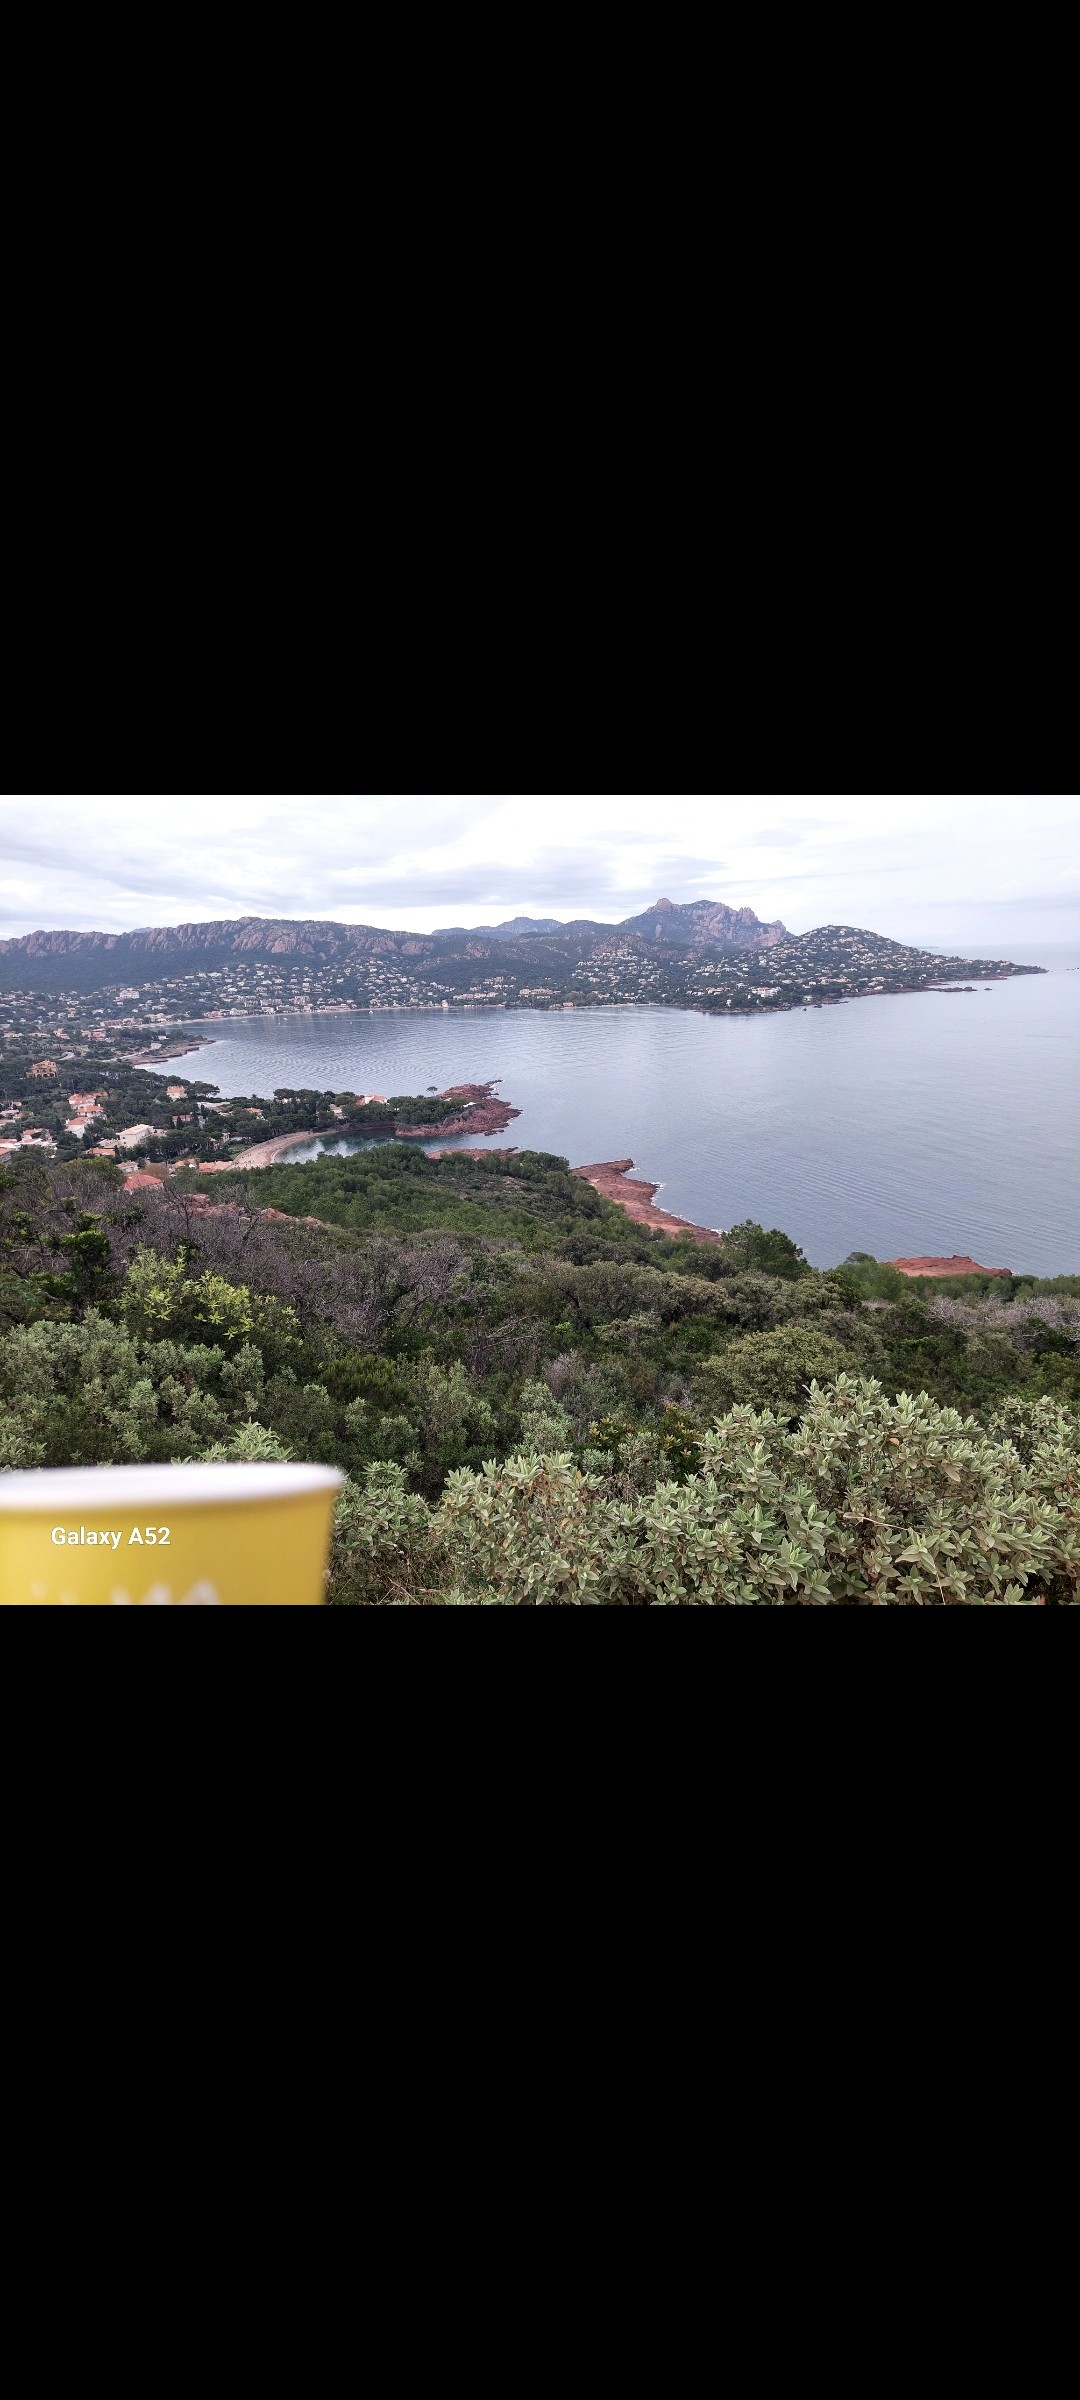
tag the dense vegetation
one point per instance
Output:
(41, 1102)
(535, 1399)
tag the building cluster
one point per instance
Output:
(586, 966)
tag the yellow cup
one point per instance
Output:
(188, 1535)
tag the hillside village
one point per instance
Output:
(62, 997)
(145, 1121)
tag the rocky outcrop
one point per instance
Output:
(481, 1112)
(704, 923)
(609, 1179)
(93, 957)
(956, 1265)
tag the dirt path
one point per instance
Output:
(608, 1178)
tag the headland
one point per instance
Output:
(958, 1264)
(609, 1178)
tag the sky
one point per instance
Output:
(977, 874)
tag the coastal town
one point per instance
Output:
(67, 991)
(84, 1052)
(649, 1252)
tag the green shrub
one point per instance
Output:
(160, 1297)
(866, 1501)
(383, 1548)
(251, 1445)
(771, 1370)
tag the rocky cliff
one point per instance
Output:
(522, 947)
(706, 924)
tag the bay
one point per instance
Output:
(931, 1122)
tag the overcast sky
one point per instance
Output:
(982, 873)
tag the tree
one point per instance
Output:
(771, 1370)
(748, 1245)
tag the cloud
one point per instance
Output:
(790, 836)
(479, 883)
(427, 859)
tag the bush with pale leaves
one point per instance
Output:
(865, 1501)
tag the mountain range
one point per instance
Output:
(70, 961)
(704, 955)
(700, 924)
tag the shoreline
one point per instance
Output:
(958, 1264)
(480, 1112)
(689, 1006)
(609, 1178)
(267, 1154)
(156, 1058)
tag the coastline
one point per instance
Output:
(609, 1178)
(702, 1098)
(156, 1058)
(266, 1154)
(690, 1005)
(480, 1112)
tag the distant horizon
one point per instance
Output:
(995, 873)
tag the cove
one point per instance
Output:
(934, 1122)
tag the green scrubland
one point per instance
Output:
(534, 1399)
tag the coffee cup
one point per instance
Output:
(192, 1535)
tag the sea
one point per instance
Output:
(925, 1122)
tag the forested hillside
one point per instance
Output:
(535, 1399)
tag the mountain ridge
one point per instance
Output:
(213, 942)
(701, 955)
(510, 929)
(703, 920)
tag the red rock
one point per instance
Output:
(609, 1179)
(957, 1265)
(484, 1114)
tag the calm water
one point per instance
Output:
(931, 1122)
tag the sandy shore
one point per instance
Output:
(608, 1178)
(267, 1154)
(481, 1112)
